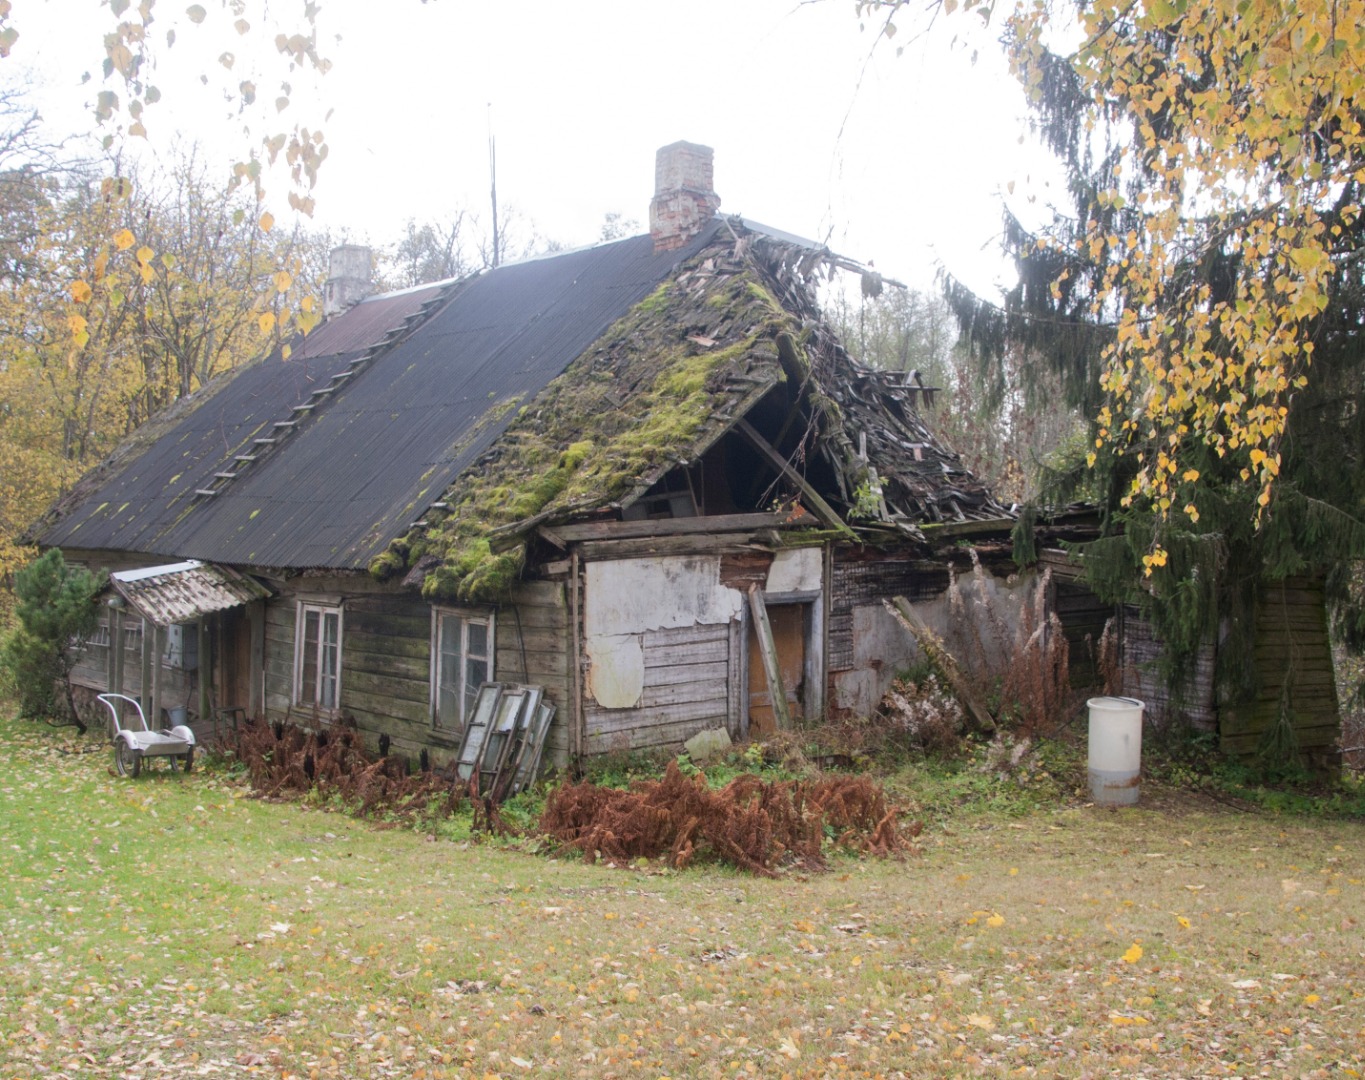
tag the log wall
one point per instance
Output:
(386, 659)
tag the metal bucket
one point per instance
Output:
(1115, 760)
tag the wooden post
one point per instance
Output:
(256, 615)
(109, 613)
(577, 733)
(205, 672)
(144, 689)
(158, 650)
(737, 713)
(116, 644)
(767, 648)
(941, 659)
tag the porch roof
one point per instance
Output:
(185, 591)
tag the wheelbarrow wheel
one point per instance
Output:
(127, 761)
(182, 762)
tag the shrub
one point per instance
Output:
(924, 713)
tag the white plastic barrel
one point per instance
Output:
(1115, 750)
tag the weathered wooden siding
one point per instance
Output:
(386, 670)
(1082, 614)
(92, 670)
(863, 578)
(386, 659)
(92, 664)
(1293, 662)
(534, 646)
(279, 655)
(1192, 702)
(686, 690)
(664, 640)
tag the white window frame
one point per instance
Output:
(466, 616)
(323, 609)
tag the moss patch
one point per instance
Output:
(637, 399)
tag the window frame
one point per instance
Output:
(322, 608)
(466, 616)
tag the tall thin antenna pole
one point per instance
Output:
(493, 179)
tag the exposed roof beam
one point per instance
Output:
(822, 509)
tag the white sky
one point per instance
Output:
(906, 169)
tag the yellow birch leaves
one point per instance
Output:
(1237, 126)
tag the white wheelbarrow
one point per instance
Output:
(175, 744)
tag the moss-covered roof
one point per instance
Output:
(659, 387)
(664, 384)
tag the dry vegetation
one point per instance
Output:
(173, 926)
(756, 825)
(283, 760)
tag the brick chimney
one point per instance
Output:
(684, 199)
(350, 278)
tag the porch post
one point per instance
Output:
(116, 650)
(256, 694)
(158, 650)
(144, 689)
(205, 672)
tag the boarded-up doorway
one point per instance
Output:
(790, 623)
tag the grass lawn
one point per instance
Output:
(172, 926)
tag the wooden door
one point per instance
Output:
(234, 658)
(789, 635)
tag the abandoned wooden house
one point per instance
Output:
(645, 477)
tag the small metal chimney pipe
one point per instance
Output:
(684, 196)
(350, 278)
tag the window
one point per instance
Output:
(462, 658)
(317, 656)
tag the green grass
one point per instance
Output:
(172, 925)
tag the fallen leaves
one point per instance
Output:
(380, 954)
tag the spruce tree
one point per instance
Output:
(56, 610)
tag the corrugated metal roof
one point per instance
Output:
(182, 592)
(387, 442)
(366, 323)
(134, 504)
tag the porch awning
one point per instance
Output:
(183, 592)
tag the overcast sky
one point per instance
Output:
(900, 160)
